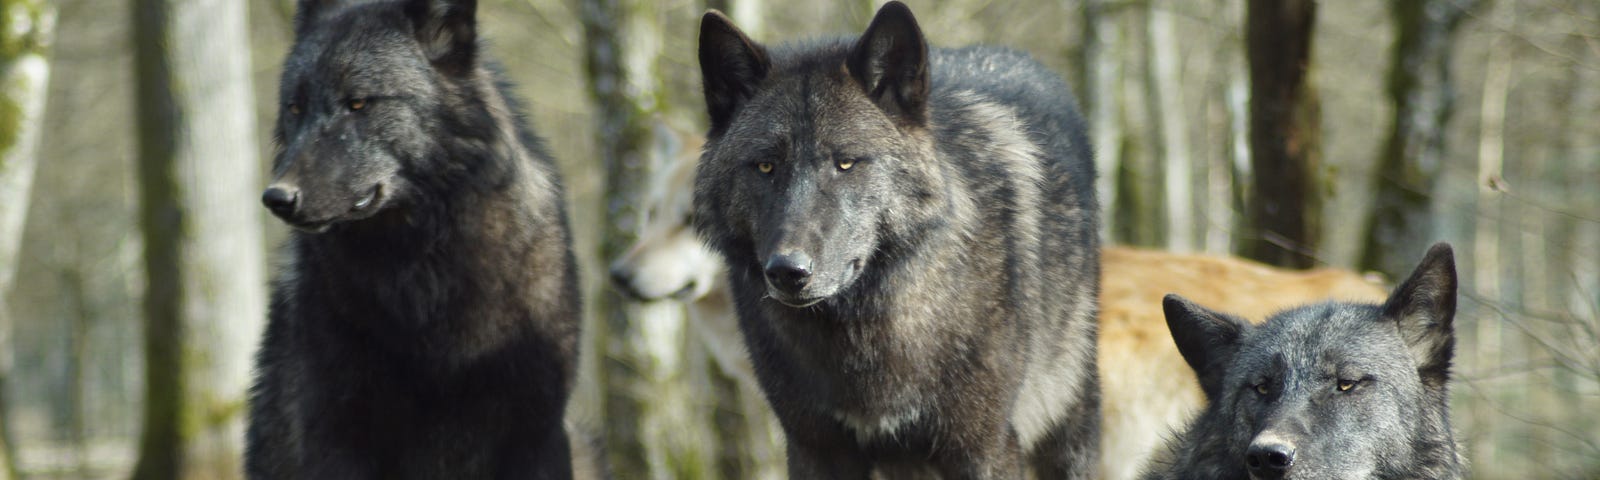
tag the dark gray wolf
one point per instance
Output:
(910, 235)
(1327, 391)
(426, 323)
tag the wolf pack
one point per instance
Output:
(895, 247)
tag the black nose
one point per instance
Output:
(789, 272)
(280, 199)
(1269, 460)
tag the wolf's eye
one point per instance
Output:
(845, 163)
(1346, 385)
(764, 167)
(294, 108)
(357, 104)
(1261, 388)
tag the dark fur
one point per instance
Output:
(1393, 422)
(426, 323)
(953, 261)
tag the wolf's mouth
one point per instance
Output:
(795, 303)
(687, 292)
(310, 227)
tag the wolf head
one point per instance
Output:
(668, 260)
(812, 151)
(365, 88)
(1333, 390)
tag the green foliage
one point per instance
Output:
(12, 47)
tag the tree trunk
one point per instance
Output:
(1236, 173)
(1413, 157)
(656, 427)
(205, 293)
(1283, 218)
(1099, 71)
(1139, 206)
(26, 29)
(1486, 237)
(1169, 119)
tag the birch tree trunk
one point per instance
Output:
(1412, 160)
(204, 261)
(26, 29)
(1099, 70)
(1486, 238)
(1169, 119)
(657, 426)
(1285, 205)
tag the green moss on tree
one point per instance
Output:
(10, 125)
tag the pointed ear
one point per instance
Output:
(1207, 339)
(890, 62)
(447, 31)
(731, 65)
(1424, 308)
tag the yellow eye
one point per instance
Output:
(358, 104)
(1261, 388)
(764, 167)
(294, 108)
(845, 164)
(1346, 385)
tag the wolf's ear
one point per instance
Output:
(731, 65)
(890, 61)
(1424, 308)
(447, 31)
(1207, 339)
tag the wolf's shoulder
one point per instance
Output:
(994, 70)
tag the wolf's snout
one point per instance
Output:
(1269, 460)
(789, 272)
(282, 200)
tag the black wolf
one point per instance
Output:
(911, 242)
(1328, 391)
(426, 323)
